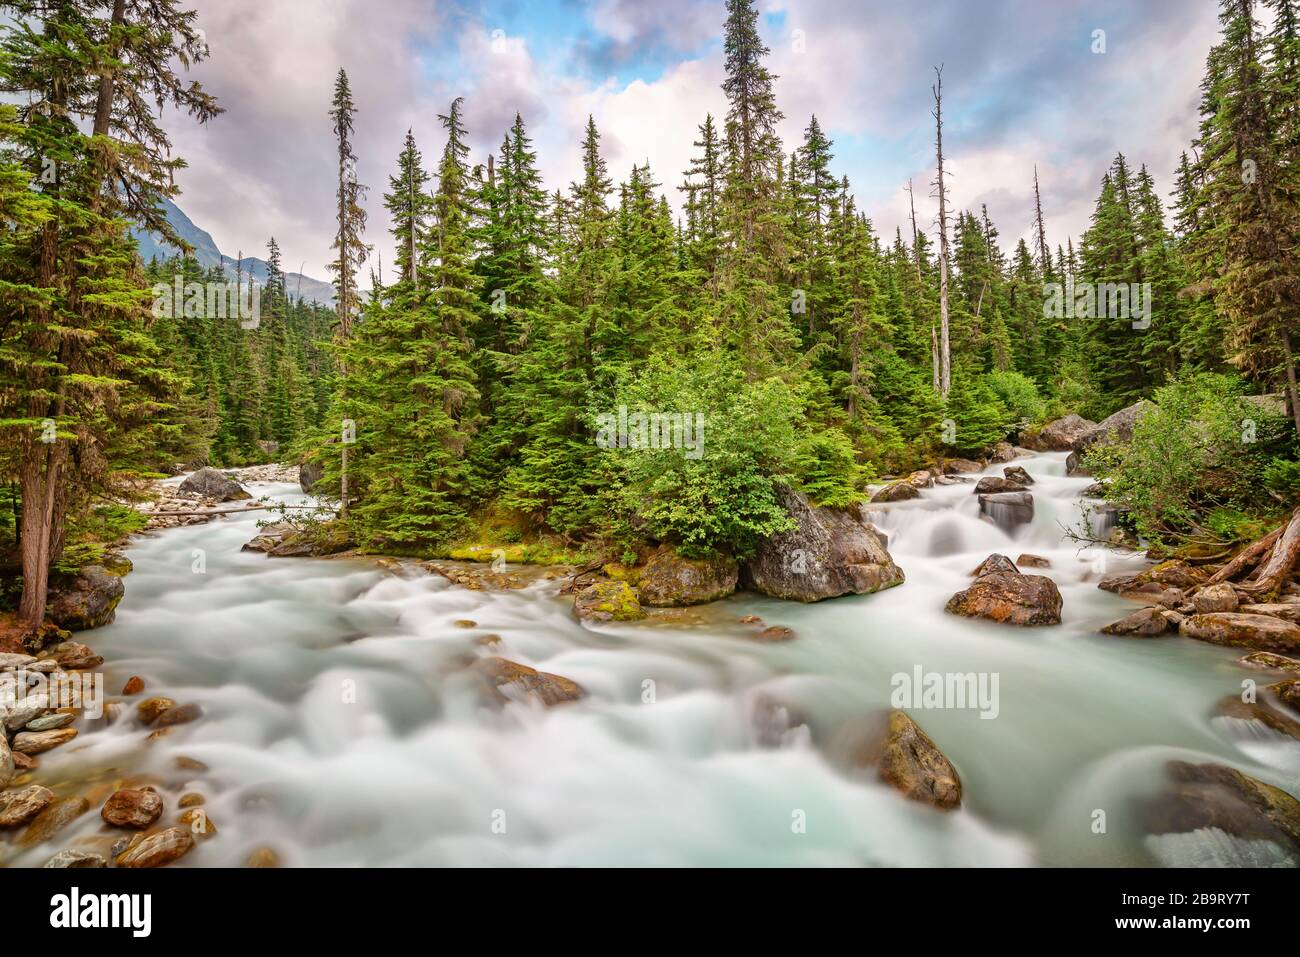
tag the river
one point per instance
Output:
(339, 726)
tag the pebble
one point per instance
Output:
(53, 819)
(50, 722)
(190, 800)
(134, 685)
(181, 714)
(200, 825)
(132, 807)
(74, 858)
(150, 708)
(19, 807)
(38, 742)
(159, 849)
(263, 857)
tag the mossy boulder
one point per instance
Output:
(85, 600)
(608, 601)
(670, 580)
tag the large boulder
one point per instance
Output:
(896, 492)
(1060, 435)
(1218, 597)
(992, 484)
(1117, 428)
(309, 473)
(911, 763)
(1237, 630)
(1010, 598)
(210, 483)
(85, 600)
(1008, 509)
(608, 601)
(956, 466)
(1017, 473)
(830, 552)
(669, 580)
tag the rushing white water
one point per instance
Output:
(340, 727)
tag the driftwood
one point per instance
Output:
(1275, 570)
(1247, 558)
(228, 511)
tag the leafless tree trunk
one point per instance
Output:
(945, 357)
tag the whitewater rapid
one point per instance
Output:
(340, 727)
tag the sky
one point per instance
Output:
(1026, 83)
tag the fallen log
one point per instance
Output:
(1275, 570)
(1248, 557)
(228, 511)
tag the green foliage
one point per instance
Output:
(720, 497)
(1200, 451)
(1019, 395)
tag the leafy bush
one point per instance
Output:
(1282, 477)
(1197, 464)
(826, 469)
(721, 497)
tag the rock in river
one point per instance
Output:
(991, 484)
(1211, 598)
(608, 601)
(158, 850)
(1008, 508)
(503, 675)
(1215, 796)
(670, 580)
(1016, 473)
(830, 552)
(911, 763)
(1259, 632)
(132, 807)
(38, 742)
(1143, 623)
(995, 563)
(19, 807)
(1011, 598)
(209, 483)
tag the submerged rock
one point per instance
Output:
(831, 552)
(1270, 662)
(209, 483)
(670, 580)
(1233, 707)
(53, 819)
(1216, 796)
(1010, 598)
(608, 601)
(85, 600)
(1027, 560)
(1237, 630)
(550, 690)
(911, 763)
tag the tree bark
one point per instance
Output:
(945, 356)
(1274, 573)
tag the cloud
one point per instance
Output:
(1022, 87)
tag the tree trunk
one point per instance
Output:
(945, 358)
(1292, 394)
(1273, 575)
(104, 102)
